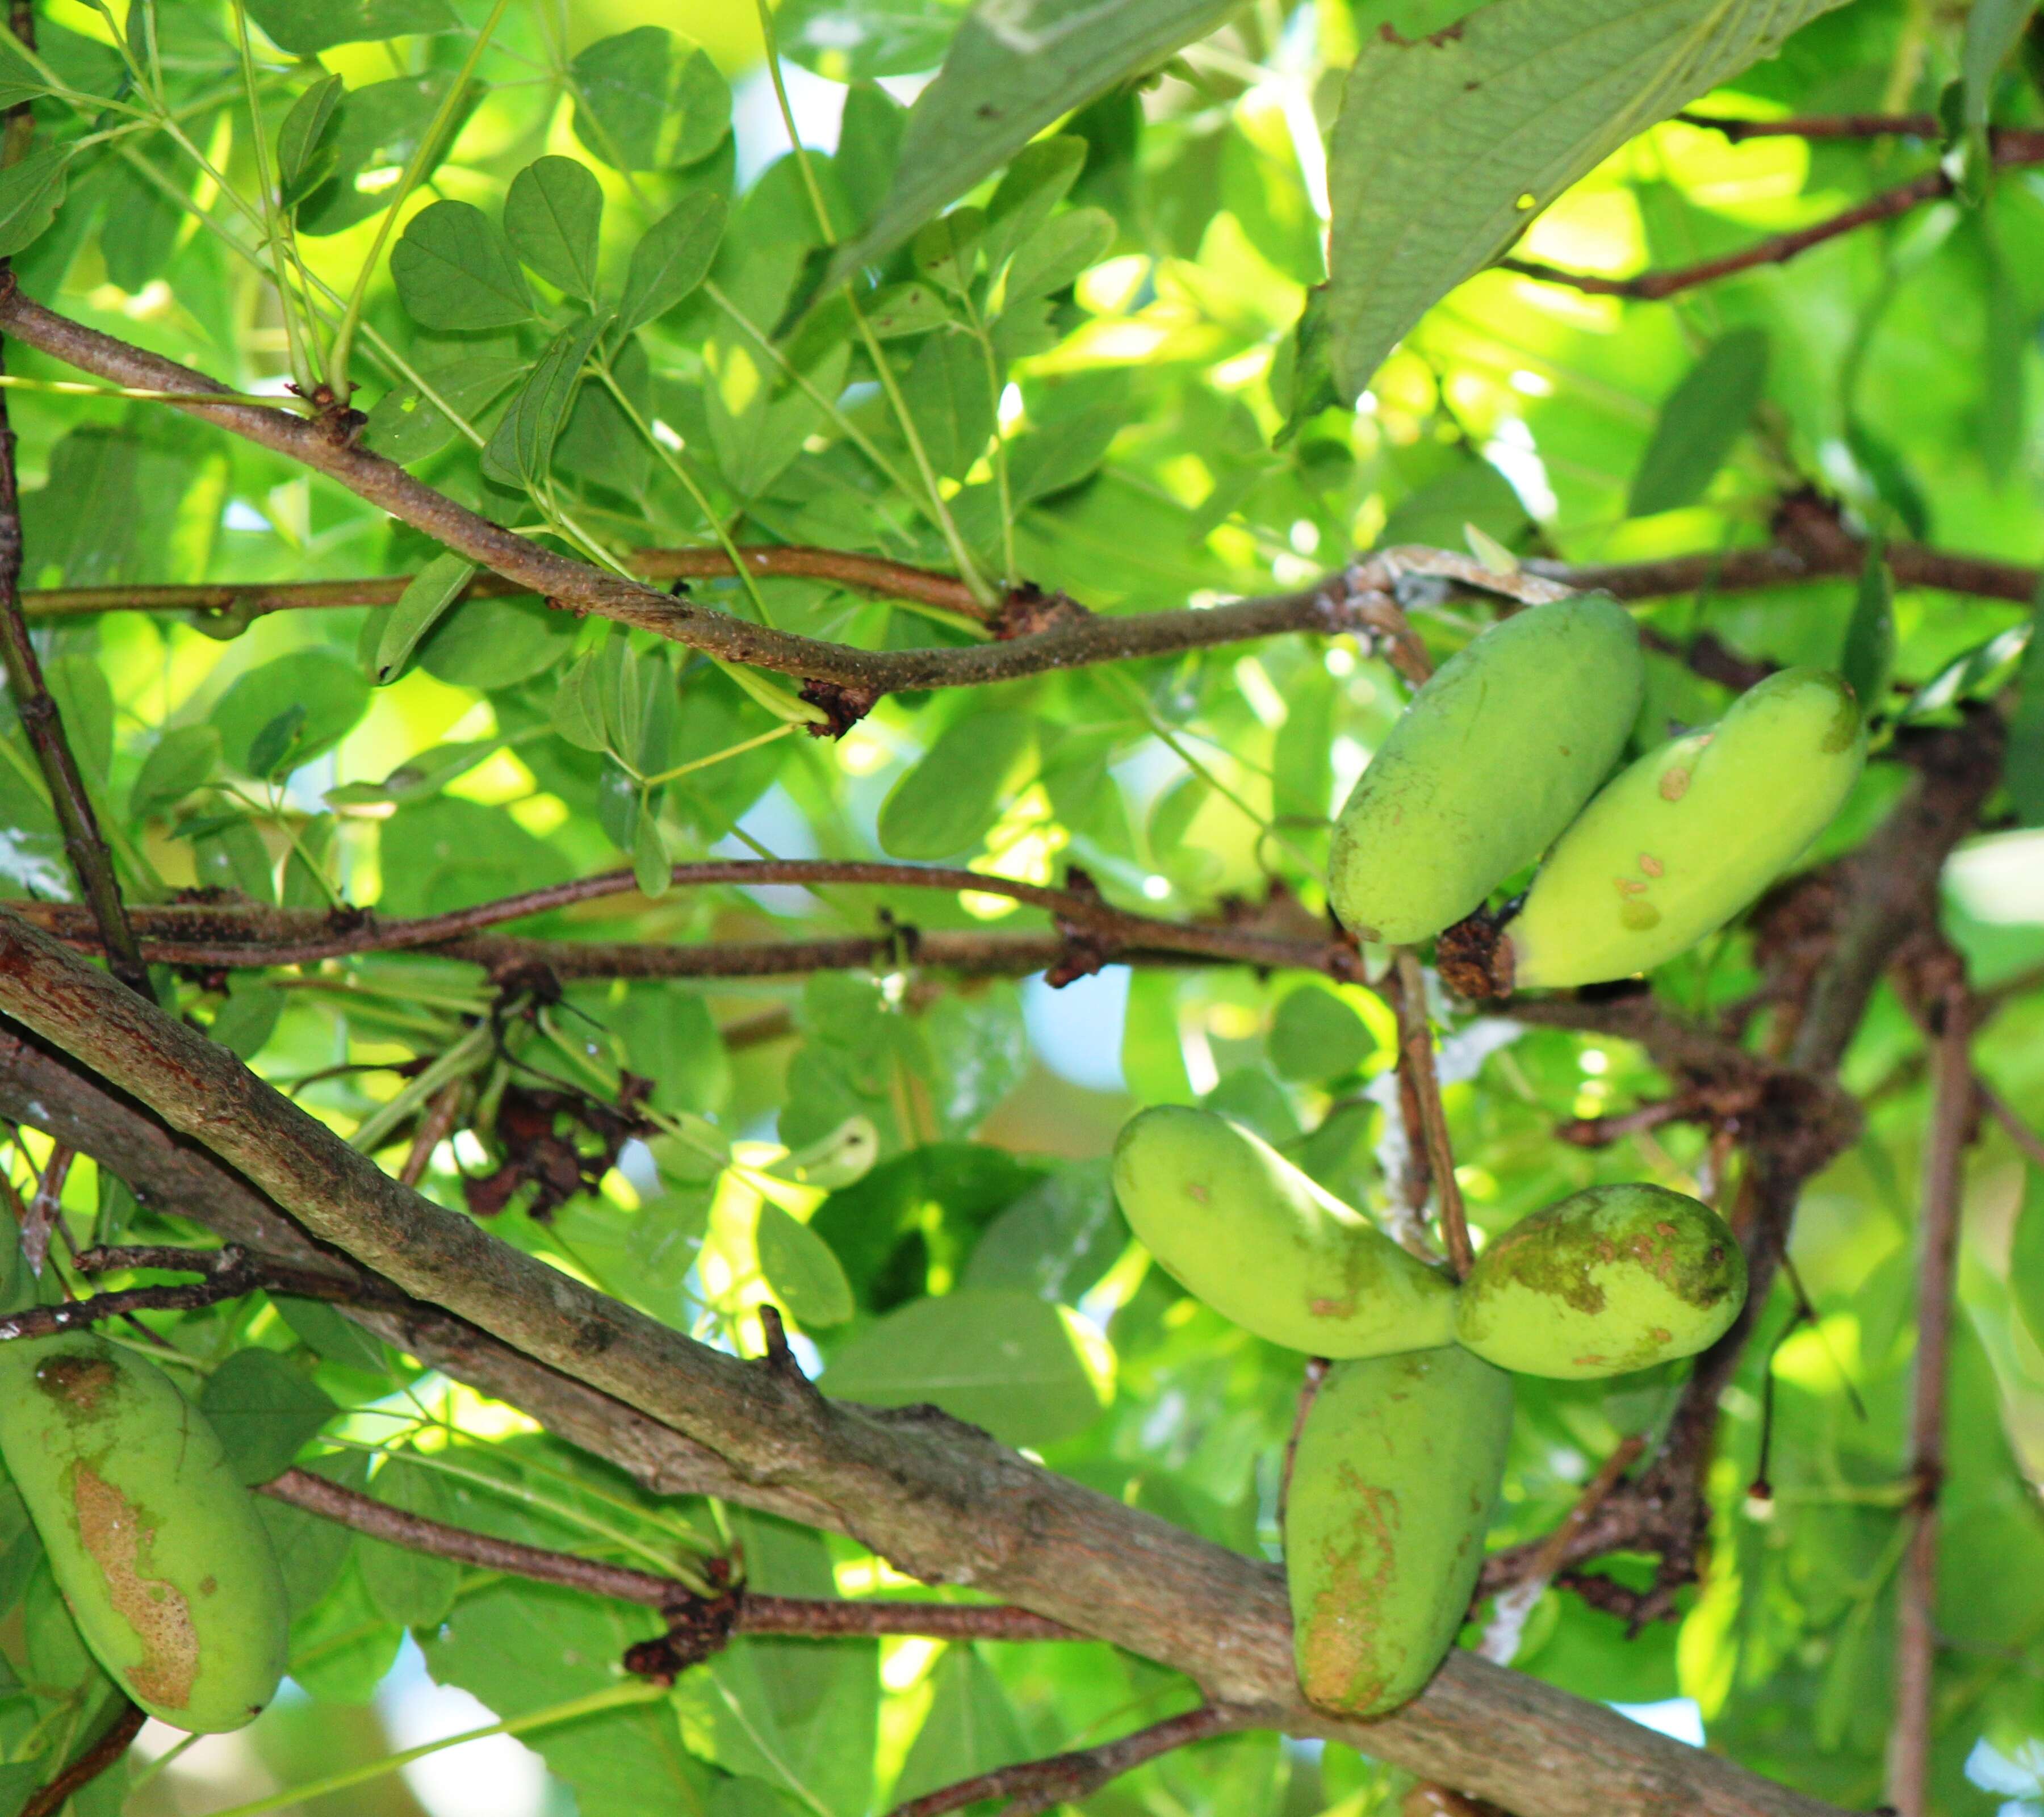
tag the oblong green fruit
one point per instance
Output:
(1495, 755)
(1681, 840)
(161, 1559)
(1393, 1486)
(1234, 1222)
(1609, 1280)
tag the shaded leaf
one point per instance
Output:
(333, 695)
(520, 452)
(304, 27)
(553, 215)
(2023, 769)
(413, 1589)
(427, 595)
(264, 1409)
(183, 758)
(956, 791)
(305, 157)
(951, 394)
(1315, 1036)
(671, 258)
(29, 194)
(454, 270)
(1868, 657)
(807, 1279)
(646, 100)
(406, 426)
(868, 38)
(1699, 425)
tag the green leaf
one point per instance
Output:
(1056, 252)
(417, 778)
(1152, 1049)
(413, 1589)
(805, 1277)
(1703, 417)
(946, 803)
(29, 194)
(333, 694)
(1014, 67)
(264, 1408)
(648, 99)
(312, 1553)
(522, 451)
(1994, 28)
(428, 594)
(377, 130)
(491, 643)
(406, 427)
(1315, 1036)
(306, 156)
(248, 1017)
(904, 310)
(19, 81)
(454, 270)
(305, 27)
(1968, 674)
(577, 712)
(334, 1338)
(273, 749)
(951, 394)
(1056, 1240)
(1309, 384)
(1868, 656)
(866, 38)
(2004, 378)
(652, 870)
(671, 258)
(1445, 148)
(2026, 1255)
(183, 760)
(1004, 1360)
(1061, 453)
(804, 1726)
(971, 1729)
(553, 215)
(2023, 768)
(1039, 176)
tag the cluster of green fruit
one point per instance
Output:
(1399, 1462)
(1498, 759)
(161, 1559)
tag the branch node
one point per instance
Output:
(845, 706)
(1027, 611)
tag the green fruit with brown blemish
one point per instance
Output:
(1680, 842)
(163, 1561)
(1495, 755)
(1612, 1279)
(1236, 1223)
(1393, 1487)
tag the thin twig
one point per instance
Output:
(434, 1128)
(228, 1275)
(1309, 1391)
(113, 1740)
(817, 1617)
(1416, 1047)
(1516, 1600)
(1066, 1778)
(1944, 1161)
(1822, 126)
(2011, 146)
(2018, 1131)
(44, 1208)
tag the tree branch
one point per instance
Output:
(112, 1743)
(1066, 1778)
(1944, 1164)
(1415, 1058)
(941, 1500)
(1822, 126)
(2011, 146)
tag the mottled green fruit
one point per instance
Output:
(1612, 1279)
(1684, 839)
(1392, 1490)
(1236, 1223)
(1496, 755)
(161, 1556)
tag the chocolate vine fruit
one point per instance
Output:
(1392, 1490)
(1495, 755)
(1236, 1223)
(1609, 1280)
(165, 1567)
(1675, 846)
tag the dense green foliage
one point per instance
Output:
(571, 294)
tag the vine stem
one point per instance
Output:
(1416, 1042)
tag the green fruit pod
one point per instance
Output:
(1495, 755)
(1234, 1222)
(1686, 837)
(161, 1559)
(1609, 1279)
(1393, 1485)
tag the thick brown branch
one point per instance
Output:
(2011, 146)
(1067, 1778)
(1944, 1165)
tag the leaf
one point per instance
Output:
(1055, 1241)
(417, 778)
(407, 427)
(1703, 417)
(248, 1017)
(29, 194)
(1153, 1049)
(303, 161)
(577, 712)
(2024, 769)
(1445, 148)
(2004, 366)
(1061, 453)
(971, 1729)
(948, 801)
(905, 310)
(522, 451)
(1969, 673)
(333, 694)
(807, 1280)
(803, 1725)
(950, 395)
(427, 595)
(305, 27)
(377, 130)
(671, 258)
(647, 100)
(181, 759)
(489, 644)
(652, 870)
(1004, 1360)
(1994, 28)
(1015, 66)
(1056, 252)
(866, 38)
(414, 1589)
(1039, 176)
(1315, 1036)
(1868, 657)
(336, 1338)
(264, 1409)
(1309, 386)
(454, 270)
(553, 214)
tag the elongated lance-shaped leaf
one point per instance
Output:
(521, 449)
(1015, 66)
(1446, 148)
